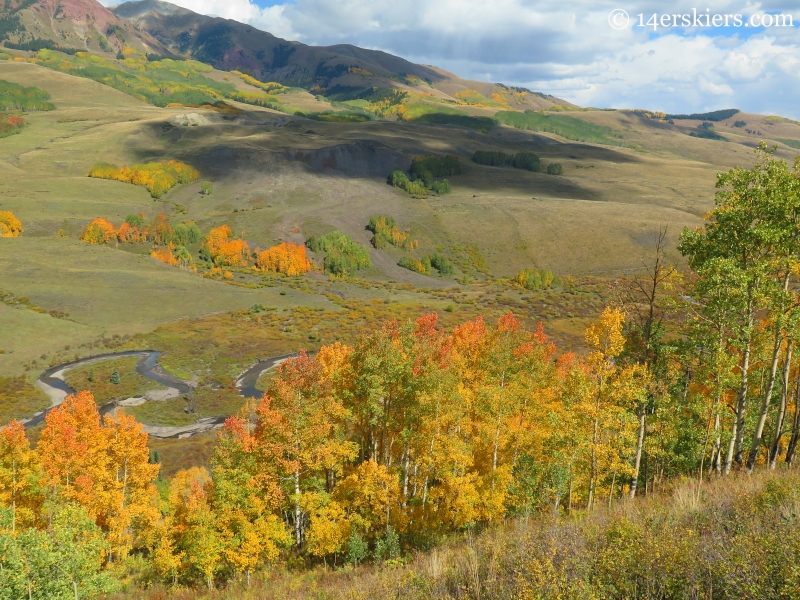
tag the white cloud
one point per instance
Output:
(564, 48)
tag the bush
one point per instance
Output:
(344, 256)
(537, 279)
(442, 264)
(388, 547)
(206, 188)
(387, 233)
(422, 266)
(400, 180)
(441, 187)
(554, 169)
(186, 234)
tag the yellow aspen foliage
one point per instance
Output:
(10, 226)
(371, 493)
(157, 177)
(605, 336)
(99, 231)
(287, 258)
(167, 559)
(19, 474)
(328, 528)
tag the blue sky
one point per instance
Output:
(565, 48)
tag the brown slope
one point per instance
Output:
(78, 24)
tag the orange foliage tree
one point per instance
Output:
(10, 226)
(287, 258)
(99, 231)
(102, 465)
(225, 251)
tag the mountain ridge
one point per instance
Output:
(161, 28)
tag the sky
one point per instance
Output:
(583, 51)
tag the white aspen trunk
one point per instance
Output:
(755, 446)
(776, 442)
(639, 448)
(741, 401)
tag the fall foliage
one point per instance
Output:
(157, 177)
(99, 231)
(10, 226)
(287, 258)
(386, 232)
(225, 251)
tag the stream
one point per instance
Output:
(53, 384)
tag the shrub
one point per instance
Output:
(206, 188)
(10, 226)
(442, 264)
(387, 233)
(287, 258)
(536, 279)
(10, 125)
(554, 169)
(186, 234)
(400, 180)
(158, 177)
(388, 547)
(343, 255)
(418, 266)
(441, 187)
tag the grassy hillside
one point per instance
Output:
(505, 219)
(726, 539)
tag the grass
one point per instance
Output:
(131, 383)
(166, 413)
(570, 128)
(19, 398)
(495, 223)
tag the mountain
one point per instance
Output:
(228, 44)
(156, 27)
(71, 25)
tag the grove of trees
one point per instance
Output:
(287, 258)
(157, 177)
(362, 452)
